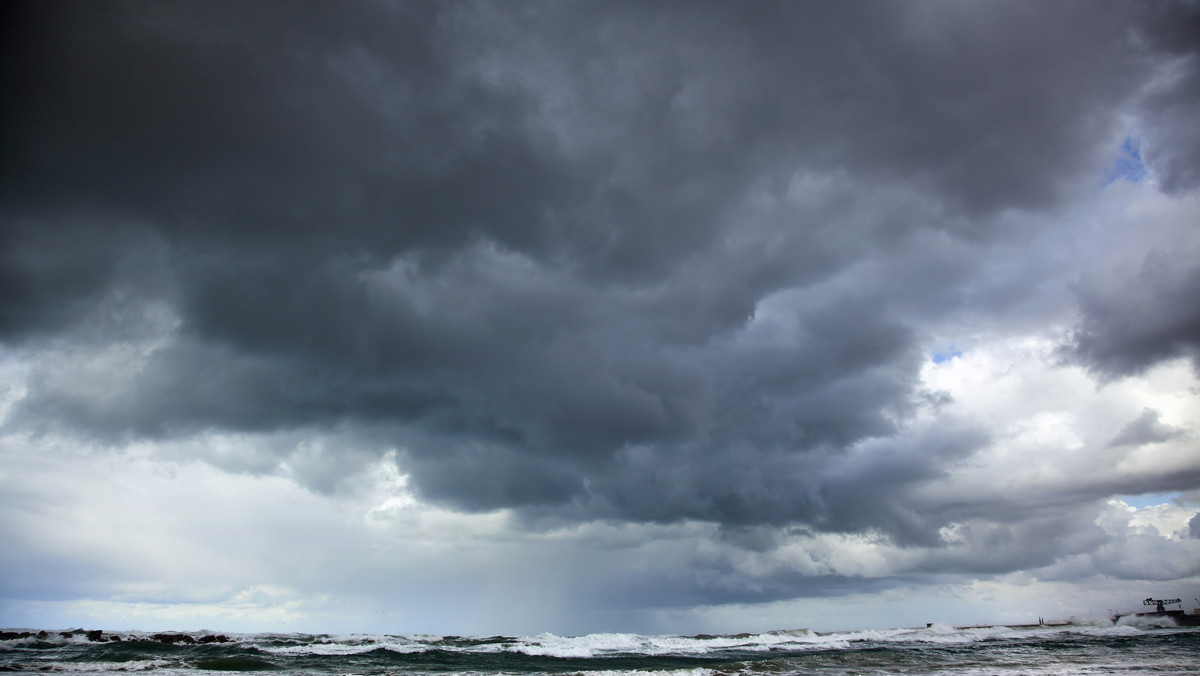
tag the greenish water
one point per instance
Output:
(933, 650)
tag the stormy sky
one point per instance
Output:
(507, 317)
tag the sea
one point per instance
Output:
(936, 649)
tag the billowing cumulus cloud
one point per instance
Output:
(795, 300)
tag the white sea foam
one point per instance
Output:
(919, 649)
(1143, 621)
(611, 644)
(656, 672)
(346, 645)
(598, 645)
(154, 665)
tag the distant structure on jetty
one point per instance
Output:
(1178, 616)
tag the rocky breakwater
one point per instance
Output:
(98, 636)
(188, 638)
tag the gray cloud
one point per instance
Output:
(590, 261)
(1176, 156)
(1126, 330)
(1145, 429)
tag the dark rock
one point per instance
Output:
(42, 635)
(213, 638)
(115, 637)
(12, 635)
(95, 635)
(172, 638)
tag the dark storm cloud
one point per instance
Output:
(1153, 317)
(594, 260)
(1127, 330)
(828, 487)
(1176, 27)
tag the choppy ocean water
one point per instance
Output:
(931, 650)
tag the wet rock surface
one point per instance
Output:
(98, 636)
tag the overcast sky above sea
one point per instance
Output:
(665, 317)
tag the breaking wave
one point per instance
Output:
(935, 649)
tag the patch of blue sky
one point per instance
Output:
(1129, 165)
(1148, 499)
(946, 353)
